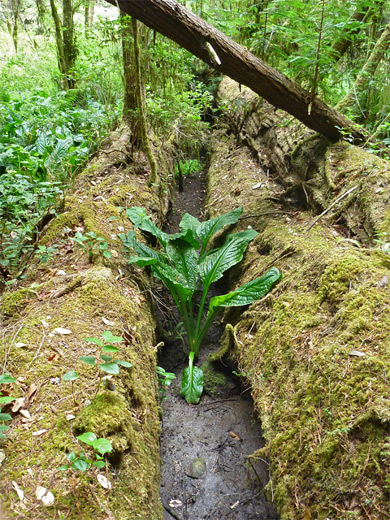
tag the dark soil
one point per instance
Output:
(221, 430)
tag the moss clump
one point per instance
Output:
(108, 416)
(213, 379)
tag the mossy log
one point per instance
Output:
(315, 350)
(86, 297)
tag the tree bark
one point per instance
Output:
(141, 107)
(353, 99)
(65, 40)
(191, 32)
(340, 47)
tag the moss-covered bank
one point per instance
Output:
(316, 349)
(85, 298)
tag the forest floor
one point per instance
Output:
(206, 473)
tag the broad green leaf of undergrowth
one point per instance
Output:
(192, 382)
(72, 375)
(207, 229)
(189, 222)
(213, 265)
(142, 221)
(110, 338)
(6, 399)
(110, 368)
(184, 258)
(141, 261)
(247, 293)
(6, 378)
(87, 437)
(102, 446)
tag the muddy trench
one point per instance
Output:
(207, 471)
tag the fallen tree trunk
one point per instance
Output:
(315, 350)
(45, 321)
(212, 46)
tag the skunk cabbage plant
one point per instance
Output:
(188, 268)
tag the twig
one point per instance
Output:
(10, 346)
(331, 206)
(172, 512)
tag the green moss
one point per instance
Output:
(213, 379)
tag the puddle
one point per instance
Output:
(206, 473)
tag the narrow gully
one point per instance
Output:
(206, 473)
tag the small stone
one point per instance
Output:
(70, 417)
(197, 468)
(55, 380)
(2, 457)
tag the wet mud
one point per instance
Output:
(207, 471)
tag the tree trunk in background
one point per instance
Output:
(69, 39)
(88, 16)
(153, 179)
(15, 7)
(353, 100)
(210, 45)
(41, 8)
(130, 95)
(58, 33)
(340, 47)
(65, 40)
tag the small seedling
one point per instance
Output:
(81, 462)
(185, 264)
(107, 363)
(5, 399)
(92, 243)
(44, 253)
(164, 379)
(72, 375)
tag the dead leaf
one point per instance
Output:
(39, 432)
(33, 388)
(18, 404)
(108, 322)
(61, 330)
(357, 353)
(52, 357)
(19, 491)
(175, 503)
(20, 345)
(104, 482)
(25, 414)
(235, 436)
(44, 496)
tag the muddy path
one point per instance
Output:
(206, 473)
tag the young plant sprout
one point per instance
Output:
(186, 267)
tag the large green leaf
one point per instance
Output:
(148, 252)
(141, 261)
(168, 273)
(87, 437)
(184, 258)
(189, 222)
(192, 382)
(207, 229)
(142, 221)
(102, 446)
(213, 265)
(6, 378)
(247, 293)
